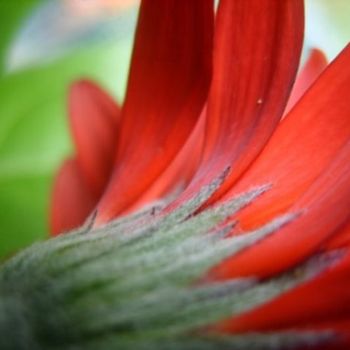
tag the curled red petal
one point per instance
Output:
(94, 118)
(72, 201)
(168, 84)
(256, 55)
(313, 67)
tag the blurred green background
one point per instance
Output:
(34, 78)
(47, 44)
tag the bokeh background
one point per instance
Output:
(47, 44)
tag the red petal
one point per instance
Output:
(302, 146)
(325, 299)
(179, 173)
(341, 239)
(256, 56)
(94, 118)
(299, 152)
(325, 208)
(72, 201)
(313, 67)
(168, 85)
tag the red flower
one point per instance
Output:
(200, 100)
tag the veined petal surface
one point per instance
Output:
(168, 85)
(256, 55)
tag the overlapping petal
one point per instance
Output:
(179, 173)
(252, 80)
(307, 163)
(168, 84)
(315, 64)
(303, 145)
(94, 120)
(330, 193)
